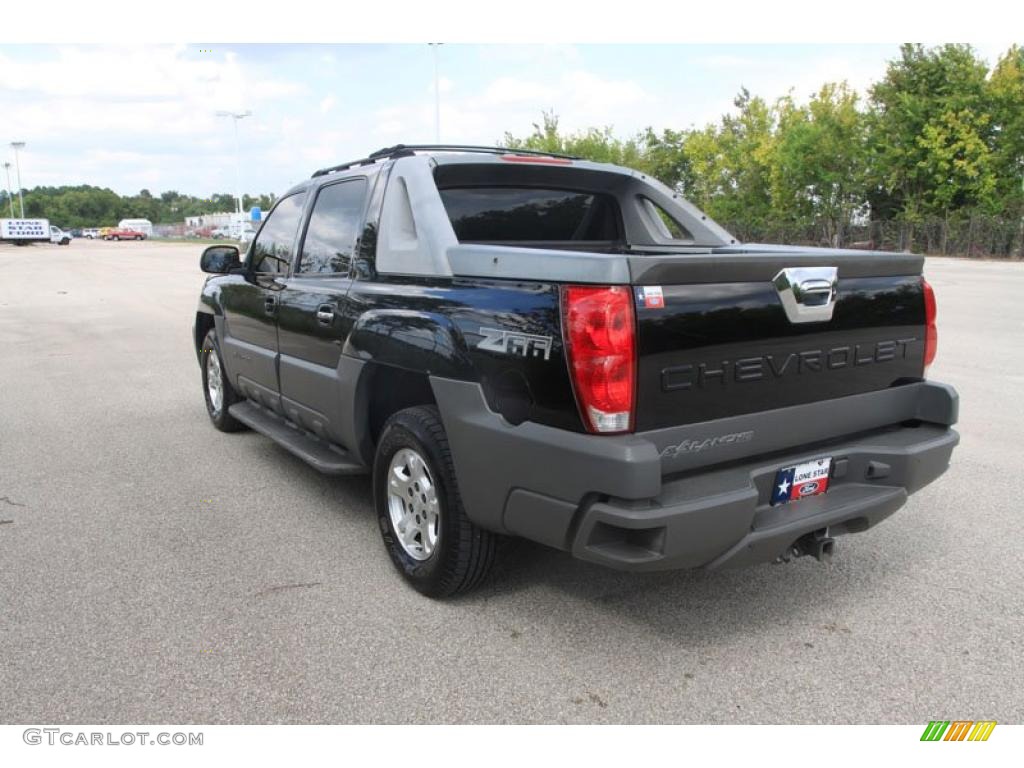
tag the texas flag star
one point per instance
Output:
(783, 487)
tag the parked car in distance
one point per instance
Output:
(145, 226)
(58, 236)
(91, 232)
(221, 233)
(124, 234)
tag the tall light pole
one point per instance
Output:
(10, 196)
(236, 116)
(437, 95)
(19, 145)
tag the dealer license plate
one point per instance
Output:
(802, 481)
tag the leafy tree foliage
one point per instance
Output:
(937, 147)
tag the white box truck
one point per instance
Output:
(25, 230)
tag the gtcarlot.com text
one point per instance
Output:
(54, 736)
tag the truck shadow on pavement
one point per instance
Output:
(692, 607)
(539, 587)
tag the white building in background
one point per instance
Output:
(145, 226)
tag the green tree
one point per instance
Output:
(729, 165)
(932, 102)
(597, 144)
(819, 165)
(1006, 95)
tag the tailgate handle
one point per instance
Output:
(813, 292)
(808, 294)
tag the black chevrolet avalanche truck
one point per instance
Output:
(526, 344)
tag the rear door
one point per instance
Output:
(315, 317)
(251, 305)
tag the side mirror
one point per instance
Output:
(220, 259)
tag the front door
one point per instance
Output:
(313, 320)
(251, 304)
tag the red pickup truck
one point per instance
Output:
(124, 234)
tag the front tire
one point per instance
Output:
(426, 531)
(217, 389)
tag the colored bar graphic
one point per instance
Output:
(982, 730)
(958, 730)
(934, 730)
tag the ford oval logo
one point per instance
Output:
(807, 490)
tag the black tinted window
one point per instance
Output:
(515, 213)
(333, 225)
(272, 251)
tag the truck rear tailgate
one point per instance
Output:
(710, 348)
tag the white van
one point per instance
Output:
(145, 226)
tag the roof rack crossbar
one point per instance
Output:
(404, 150)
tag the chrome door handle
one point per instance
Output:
(325, 314)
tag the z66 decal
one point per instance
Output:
(515, 343)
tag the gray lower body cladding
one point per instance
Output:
(696, 495)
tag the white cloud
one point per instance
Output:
(514, 90)
(140, 116)
(327, 104)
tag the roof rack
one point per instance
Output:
(405, 150)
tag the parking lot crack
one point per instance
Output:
(282, 587)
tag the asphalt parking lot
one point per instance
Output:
(154, 570)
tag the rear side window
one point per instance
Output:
(333, 226)
(663, 223)
(272, 251)
(521, 214)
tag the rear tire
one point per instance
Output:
(426, 531)
(217, 389)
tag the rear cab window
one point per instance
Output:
(525, 215)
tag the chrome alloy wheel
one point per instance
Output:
(412, 504)
(214, 381)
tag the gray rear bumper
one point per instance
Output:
(696, 495)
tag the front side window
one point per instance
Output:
(272, 251)
(510, 214)
(333, 226)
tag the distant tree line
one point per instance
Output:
(86, 206)
(932, 160)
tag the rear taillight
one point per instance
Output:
(599, 328)
(931, 332)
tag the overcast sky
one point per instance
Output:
(133, 118)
